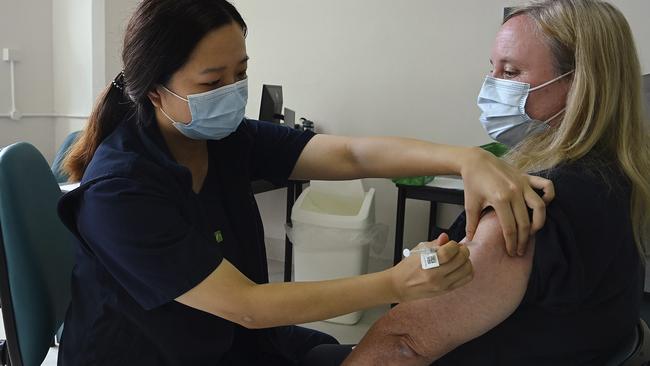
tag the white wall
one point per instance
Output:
(87, 55)
(364, 67)
(636, 12)
(26, 26)
(68, 51)
(380, 67)
(117, 14)
(73, 64)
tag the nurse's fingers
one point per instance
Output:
(473, 214)
(508, 225)
(448, 252)
(456, 262)
(461, 272)
(523, 223)
(443, 239)
(539, 210)
(545, 185)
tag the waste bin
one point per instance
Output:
(333, 227)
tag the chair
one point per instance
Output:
(646, 92)
(36, 255)
(635, 350)
(62, 177)
(57, 165)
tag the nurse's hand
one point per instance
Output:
(411, 282)
(491, 182)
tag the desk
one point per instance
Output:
(294, 189)
(445, 189)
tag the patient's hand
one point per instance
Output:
(420, 332)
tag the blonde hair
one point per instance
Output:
(604, 110)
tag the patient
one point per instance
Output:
(574, 296)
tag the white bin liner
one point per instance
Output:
(375, 237)
(333, 232)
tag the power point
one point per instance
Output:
(15, 115)
(8, 55)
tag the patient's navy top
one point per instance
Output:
(585, 287)
(145, 238)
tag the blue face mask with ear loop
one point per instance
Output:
(502, 103)
(215, 114)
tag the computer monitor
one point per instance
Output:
(289, 117)
(507, 11)
(271, 105)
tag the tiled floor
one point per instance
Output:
(346, 334)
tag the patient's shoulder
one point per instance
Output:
(589, 214)
(589, 178)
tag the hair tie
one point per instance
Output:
(119, 82)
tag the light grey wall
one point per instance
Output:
(381, 67)
(88, 55)
(73, 64)
(363, 67)
(26, 26)
(117, 14)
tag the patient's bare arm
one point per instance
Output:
(420, 332)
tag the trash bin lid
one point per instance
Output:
(346, 189)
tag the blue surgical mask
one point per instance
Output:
(503, 106)
(215, 114)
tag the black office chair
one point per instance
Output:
(635, 350)
(646, 92)
(646, 97)
(645, 301)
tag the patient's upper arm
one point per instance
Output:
(421, 331)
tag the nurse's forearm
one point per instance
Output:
(227, 293)
(401, 157)
(338, 158)
(302, 302)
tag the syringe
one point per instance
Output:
(428, 256)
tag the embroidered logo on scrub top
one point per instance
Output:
(218, 236)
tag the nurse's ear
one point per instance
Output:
(155, 97)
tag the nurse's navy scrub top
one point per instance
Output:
(145, 238)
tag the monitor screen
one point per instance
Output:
(271, 105)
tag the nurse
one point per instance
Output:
(171, 267)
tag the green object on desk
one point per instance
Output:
(496, 149)
(413, 181)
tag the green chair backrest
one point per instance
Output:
(37, 254)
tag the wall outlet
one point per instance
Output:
(15, 115)
(9, 54)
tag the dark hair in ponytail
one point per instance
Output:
(158, 41)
